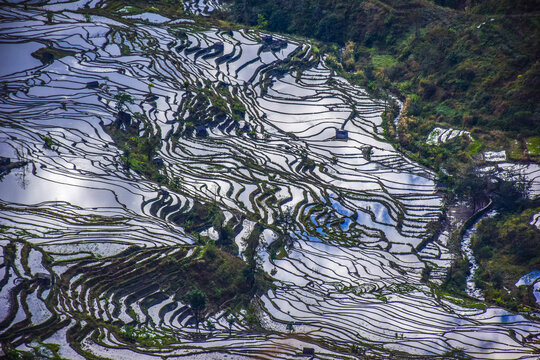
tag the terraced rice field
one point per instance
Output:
(346, 283)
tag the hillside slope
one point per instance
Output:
(467, 64)
(473, 66)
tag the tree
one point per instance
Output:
(210, 325)
(121, 99)
(262, 23)
(196, 300)
(290, 326)
(286, 218)
(230, 320)
(511, 193)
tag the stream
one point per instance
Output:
(353, 273)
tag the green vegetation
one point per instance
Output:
(533, 145)
(50, 16)
(150, 276)
(205, 277)
(38, 351)
(122, 99)
(381, 62)
(216, 275)
(507, 248)
(139, 151)
(146, 337)
(208, 103)
(47, 55)
(509, 198)
(290, 326)
(13, 354)
(169, 8)
(48, 142)
(196, 300)
(460, 300)
(230, 320)
(262, 23)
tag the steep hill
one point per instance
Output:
(462, 64)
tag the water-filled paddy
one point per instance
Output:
(352, 274)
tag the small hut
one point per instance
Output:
(92, 85)
(342, 134)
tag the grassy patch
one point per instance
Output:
(460, 300)
(515, 150)
(474, 148)
(383, 61)
(146, 337)
(139, 151)
(533, 145)
(169, 8)
(282, 253)
(446, 110)
(48, 142)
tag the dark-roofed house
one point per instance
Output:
(342, 134)
(92, 85)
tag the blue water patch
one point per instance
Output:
(306, 236)
(342, 210)
(346, 224)
(320, 231)
(381, 213)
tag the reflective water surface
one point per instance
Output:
(353, 272)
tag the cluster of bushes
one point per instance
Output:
(138, 151)
(220, 275)
(207, 102)
(146, 337)
(506, 248)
